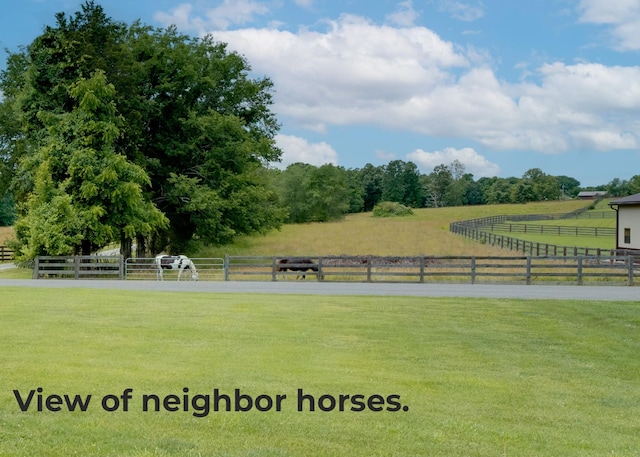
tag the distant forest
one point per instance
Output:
(316, 194)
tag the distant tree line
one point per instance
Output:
(316, 194)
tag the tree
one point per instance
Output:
(500, 191)
(455, 194)
(371, 179)
(86, 195)
(7, 210)
(315, 194)
(568, 186)
(522, 192)
(401, 183)
(438, 183)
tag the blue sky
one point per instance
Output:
(500, 85)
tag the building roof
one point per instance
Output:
(629, 200)
(592, 193)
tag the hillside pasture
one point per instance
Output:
(478, 377)
(425, 232)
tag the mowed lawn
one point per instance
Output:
(436, 377)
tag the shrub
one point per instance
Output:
(390, 209)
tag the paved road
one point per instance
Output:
(554, 292)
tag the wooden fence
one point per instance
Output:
(422, 269)
(481, 230)
(563, 230)
(78, 267)
(6, 254)
(525, 269)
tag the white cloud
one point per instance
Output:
(385, 155)
(473, 162)
(337, 77)
(229, 12)
(296, 149)
(405, 16)
(623, 16)
(463, 11)
(409, 79)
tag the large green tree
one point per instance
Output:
(193, 119)
(86, 194)
(315, 194)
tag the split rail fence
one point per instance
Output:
(454, 269)
(482, 230)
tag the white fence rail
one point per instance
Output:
(209, 269)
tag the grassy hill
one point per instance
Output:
(426, 232)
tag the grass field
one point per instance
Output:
(5, 234)
(426, 232)
(479, 377)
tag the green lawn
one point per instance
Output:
(478, 377)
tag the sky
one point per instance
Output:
(502, 86)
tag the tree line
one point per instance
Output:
(316, 194)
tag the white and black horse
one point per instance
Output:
(177, 262)
(297, 264)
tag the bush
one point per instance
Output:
(390, 209)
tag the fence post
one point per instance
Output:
(76, 267)
(629, 270)
(473, 269)
(528, 270)
(421, 269)
(273, 269)
(36, 268)
(579, 271)
(121, 272)
(226, 267)
(368, 268)
(320, 274)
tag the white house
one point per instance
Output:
(627, 221)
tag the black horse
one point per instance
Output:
(297, 264)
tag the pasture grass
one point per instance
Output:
(6, 233)
(425, 232)
(480, 377)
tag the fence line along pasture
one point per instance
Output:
(525, 269)
(482, 230)
(562, 230)
(78, 267)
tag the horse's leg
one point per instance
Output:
(180, 268)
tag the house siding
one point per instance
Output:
(629, 218)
